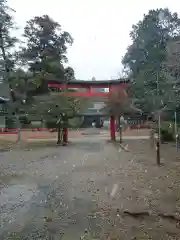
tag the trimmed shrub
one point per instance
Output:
(167, 132)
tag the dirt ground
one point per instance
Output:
(91, 189)
(25, 135)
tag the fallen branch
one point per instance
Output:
(137, 214)
(169, 216)
(140, 214)
(172, 217)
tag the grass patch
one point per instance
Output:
(6, 145)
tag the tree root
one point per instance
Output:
(171, 217)
(137, 214)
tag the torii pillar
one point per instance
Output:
(112, 128)
(65, 135)
(112, 124)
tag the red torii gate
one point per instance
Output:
(89, 86)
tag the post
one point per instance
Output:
(19, 135)
(120, 133)
(65, 135)
(152, 142)
(18, 129)
(121, 122)
(176, 130)
(158, 141)
(159, 128)
(158, 153)
(112, 128)
(159, 124)
(59, 133)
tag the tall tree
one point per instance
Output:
(46, 49)
(146, 55)
(45, 55)
(7, 42)
(172, 66)
(119, 104)
(7, 56)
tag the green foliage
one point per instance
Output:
(46, 50)
(49, 107)
(44, 56)
(173, 70)
(76, 122)
(146, 56)
(167, 131)
(69, 74)
(118, 103)
(7, 41)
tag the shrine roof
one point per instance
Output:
(96, 82)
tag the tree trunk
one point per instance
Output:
(152, 139)
(59, 133)
(120, 134)
(112, 128)
(65, 136)
(118, 123)
(120, 129)
(18, 129)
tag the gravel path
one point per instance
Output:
(62, 192)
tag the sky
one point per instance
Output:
(100, 29)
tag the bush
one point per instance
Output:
(11, 122)
(166, 136)
(51, 124)
(76, 122)
(167, 132)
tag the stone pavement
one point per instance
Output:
(89, 186)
